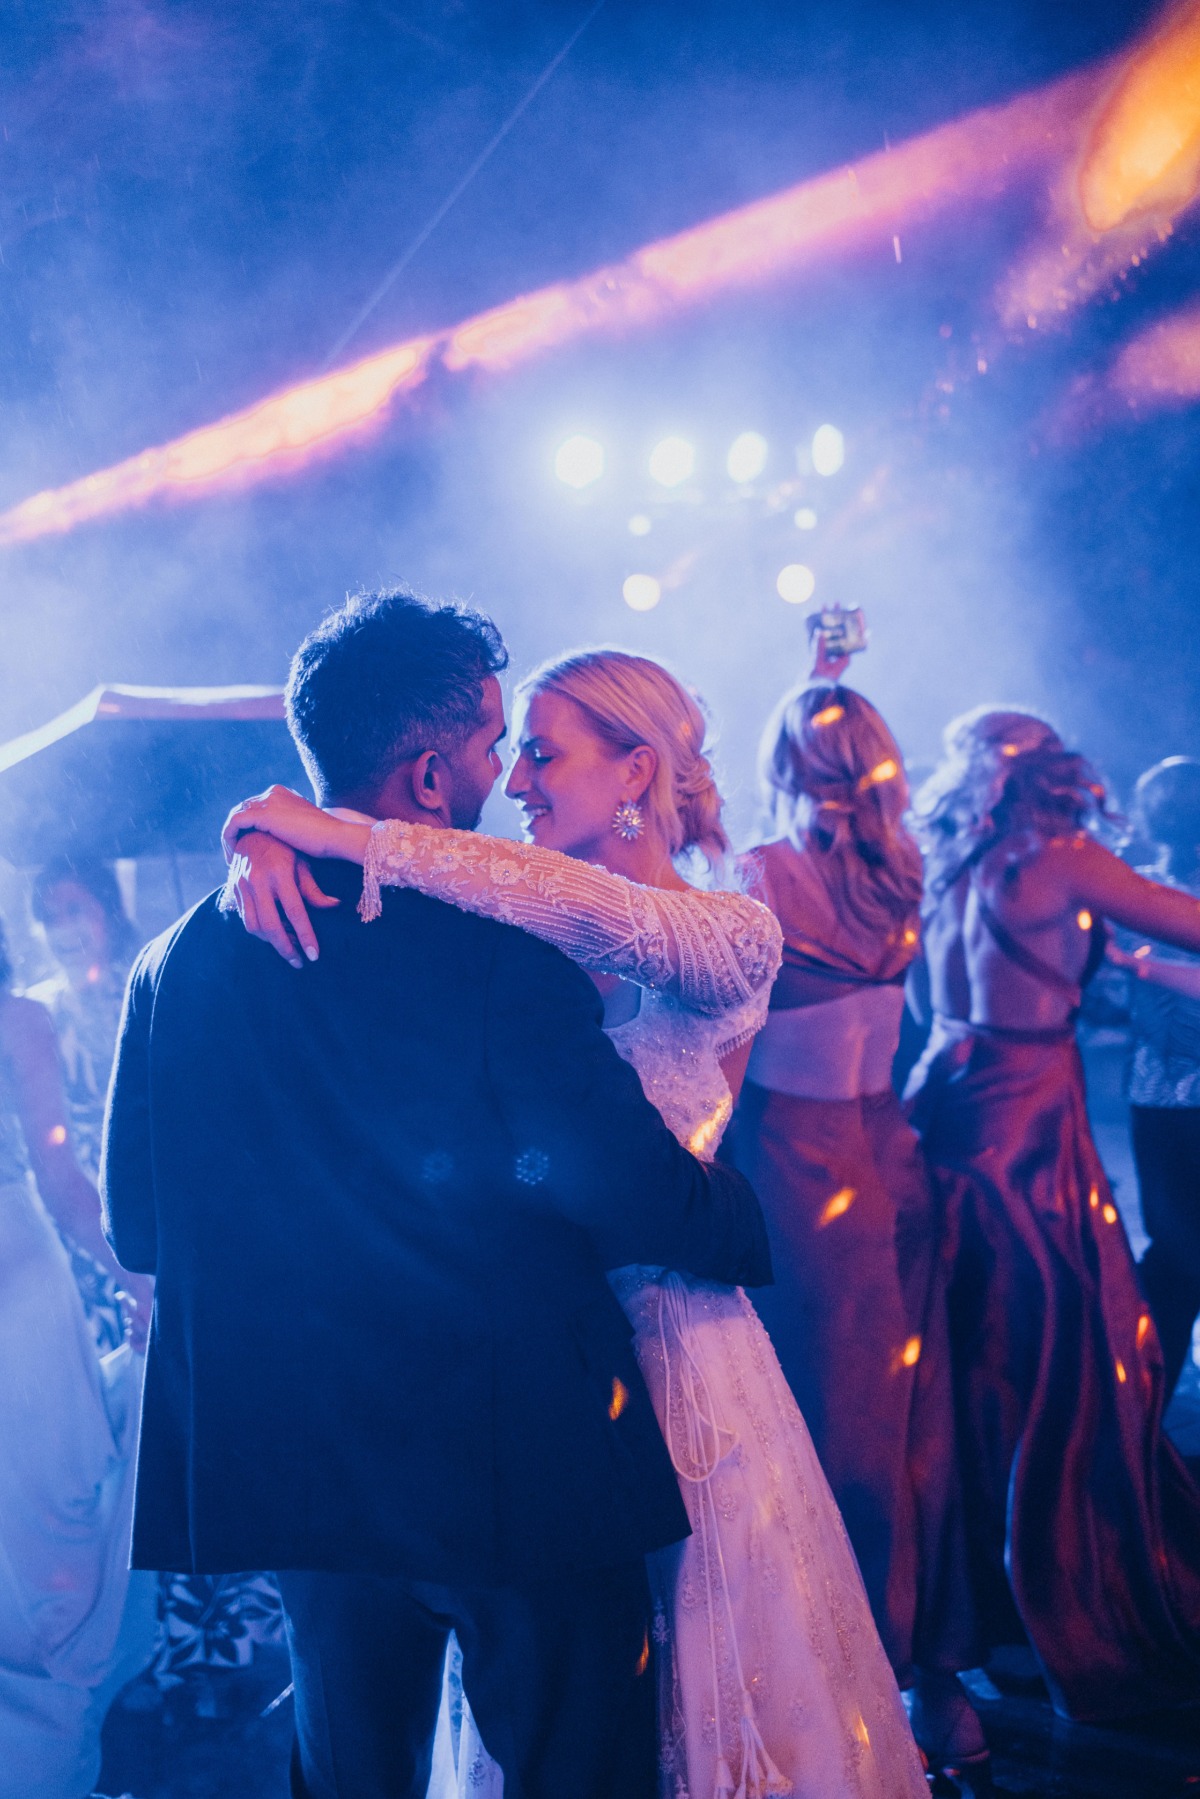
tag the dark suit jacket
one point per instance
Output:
(379, 1196)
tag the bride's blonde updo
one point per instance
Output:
(628, 701)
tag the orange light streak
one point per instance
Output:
(974, 158)
(1145, 150)
(1137, 168)
(1161, 366)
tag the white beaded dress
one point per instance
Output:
(772, 1676)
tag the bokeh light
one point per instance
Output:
(747, 457)
(805, 519)
(796, 583)
(828, 449)
(641, 593)
(640, 525)
(672, 461)
(579, 461)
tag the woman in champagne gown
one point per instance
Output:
(772, 1676)
(857, 1314)
(1084, 1523)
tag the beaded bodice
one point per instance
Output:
(704, 960)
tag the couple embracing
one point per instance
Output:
(449, 1327)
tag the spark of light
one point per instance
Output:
(1144, 151)
(1121, 1375)
(908, 1357)
(974, 158)
(620, 1398)
(709, 1129)
(1084, 920)
(1143, 1328)
(836, 1207)
(1109, 1214)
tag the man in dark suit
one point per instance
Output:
(379, 1197)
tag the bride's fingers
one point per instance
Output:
(287, 898)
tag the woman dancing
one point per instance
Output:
(856, 1315)
(772, 1677)
(1084, 1525)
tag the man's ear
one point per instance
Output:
(429, 783)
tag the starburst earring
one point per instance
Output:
(629, 821)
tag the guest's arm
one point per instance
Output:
(599, 1150)
(1177, 977)
(126, 1164)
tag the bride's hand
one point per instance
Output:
(271, 888)
(296, 821)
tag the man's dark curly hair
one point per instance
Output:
(384, 678)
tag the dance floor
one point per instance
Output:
(210, 1740)
(220, 1735)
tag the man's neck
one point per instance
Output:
(381, 803)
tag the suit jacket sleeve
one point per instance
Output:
(584, 1133)
(126, 1163)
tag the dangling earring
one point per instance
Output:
(629, 821)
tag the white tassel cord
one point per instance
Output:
(371, 904)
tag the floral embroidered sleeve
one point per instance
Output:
(712, 951)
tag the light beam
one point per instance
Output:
(974, 158)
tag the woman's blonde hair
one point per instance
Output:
(1002, 769)
(827, 761)
(631, 700)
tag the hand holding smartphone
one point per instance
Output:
(835, 634)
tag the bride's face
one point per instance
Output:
(568, 783)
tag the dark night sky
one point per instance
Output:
(196, 200)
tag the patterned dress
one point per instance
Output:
(207, 1620)
(772, 1676)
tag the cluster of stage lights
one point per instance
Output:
(580, 462)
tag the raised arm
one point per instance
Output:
(1110, 888)
(712, 950)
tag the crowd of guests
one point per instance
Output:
(981, 1365)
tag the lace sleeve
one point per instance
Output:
(711, 950)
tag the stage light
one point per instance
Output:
(747, 457)
(828, 449)
(641, 593)
(579, 461)
(795, 584)
(639, 525)
(805, 519)
(672, 461)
